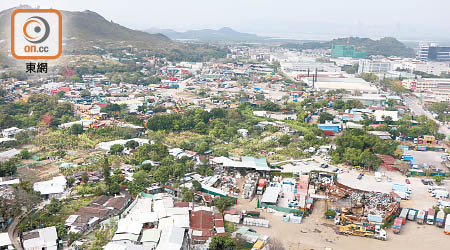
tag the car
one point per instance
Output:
(424, 182)
(407, 181)
(336, 170)
(360, 176)
(389, 179)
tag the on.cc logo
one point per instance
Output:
(36, 29)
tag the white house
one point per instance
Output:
(42, 238)
(381, 114)
(10, 132)
(53, 188)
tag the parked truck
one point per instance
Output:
(398, 225)
(440, 219)
(440, 194)
(403, 215)
(447, 225)
(412, 214)
(358, 230)
(421, 216)
(430, 216)
(402, 195)
(401, 187)
(261, 186)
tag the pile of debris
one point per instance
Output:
(250, 185)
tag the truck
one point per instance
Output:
(407, 157)
(440, 194)
(421, 148)
(261, 186)
(401, 187)
(403, 215)
(258, 245)
(447, 225)
(398, 225)
(440, 219)
(371, 231)
(402, 195)
(433, 188)
(430, 216)
(378, 176)
(412, 214)
(421, 216)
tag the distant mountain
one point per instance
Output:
(90, 26)
(387, 46)
(84, 30)
(208, 35)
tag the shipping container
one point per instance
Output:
(421, 215)
(412, 215)
(398, 225)
(403, 215)
(440, 219)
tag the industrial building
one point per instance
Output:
(373, 66)
(433, 52)
(353, 85)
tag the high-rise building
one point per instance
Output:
(433, 52)
(346, 51)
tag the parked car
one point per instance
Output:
(360, 176)
(389, 179)
(407, 181)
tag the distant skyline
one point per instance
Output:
(322, 19)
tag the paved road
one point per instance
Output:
(13, 233)
(415, 106)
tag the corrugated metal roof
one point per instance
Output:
(151, 235)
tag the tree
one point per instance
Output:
(54, 206)
(284, 140)
(70, 181)
(114, 188)
(196, 185)
(76, 129)
(85, 177)
(116, 149)
(438, 179)
(106, 171)
(222, 203)
(25, 154)
(188, 194)
(132, 144)
(85, 93)
(325, 116)
(369, 77)
(222, 242)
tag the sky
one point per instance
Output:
(319, 19)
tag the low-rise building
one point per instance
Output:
(42, 238)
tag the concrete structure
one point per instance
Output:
(433, 52)
(352, 85)
(428, 84)
(380, 115)
(373, 66)
(5, 242)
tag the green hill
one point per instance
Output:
(387, 46)
(84, 31)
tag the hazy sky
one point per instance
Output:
(405, 19)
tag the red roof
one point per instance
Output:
(201, 220)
